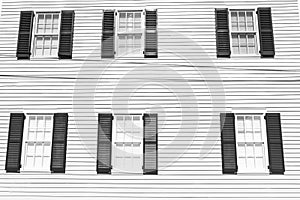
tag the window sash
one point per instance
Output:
(252, 152)
(40, 146)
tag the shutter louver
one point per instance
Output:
(104, 143)
(66, 34)
(267, 48)
(275, 146)
(150, 144)
(14, 143)
(25, 32)
(151, 35)
(59, 143)
(222, 33)
(229, 157)
(108, 50)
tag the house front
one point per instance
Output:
(149, 99)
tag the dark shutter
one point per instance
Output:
(25, 32)
(266, 32)
(150, 144)
(104, 143)
(275, 147)
(14, 143)
(222, 33)
(151, 35)
(59, 143)
(108, 50)
(229, 159)
(66, 34)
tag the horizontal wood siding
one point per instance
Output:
(187, 86)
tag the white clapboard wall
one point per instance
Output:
(187, 86)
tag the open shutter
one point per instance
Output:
(14, 143)
(66, 34)
(151, 34)
(108, 33)
(104, 143)
(229, 159)
(267, 48)
(222, 33)
(59, 143)
(275, 147)
(25, 32)
(150, 144)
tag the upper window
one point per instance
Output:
(251, 142)
(37, 143)
(243, 28)
(130, 33)
(46, 35)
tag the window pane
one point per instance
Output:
(129, 22)
(55, 23)
(122, 45)
(40, 23)
(137, 21)
(39, 135)
(234, 21)
(48, 23)
(129, 44)
(248, 124)
(122, 21)
(235, 44)
(243, 44)
(250, 21)
(257, 129)
(242, 21)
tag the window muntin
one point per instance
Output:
(37, 143)
(130, 34)
(251, 143)
(243, 31)
(46, 35)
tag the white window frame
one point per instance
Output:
(117, 32)
(256, 32)
(24, 168)
(264, 140)
(34, 34)
(114, 139)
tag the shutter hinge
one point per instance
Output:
(116, 13)
(142, 166)
(265, 117)
(268, 166)
(112, 118)
(115, 52)
(144, 52)
(257, 12)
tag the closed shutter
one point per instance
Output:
(59, 143)
(267, 48)
(14, 143)
(104, 143)
(108, 33)
(25, 32)
(151, 35)
(229, 157)
(275, 147)
(150, 144)
(66, 34)
(222, 33)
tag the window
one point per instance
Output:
(37, 143)
(46, 35)
(251, 142)
(243, 30)
(130, 33)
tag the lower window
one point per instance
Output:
(37, 143)
(252, 153)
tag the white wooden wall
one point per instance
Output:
(187, 86)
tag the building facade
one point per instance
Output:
(149, 99)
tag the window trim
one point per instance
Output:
(32, 56)
(143, 32)
(256, 28)
(25, 132)
(264, 139)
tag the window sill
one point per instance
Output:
(44, 58)
(253, 173)
(35, 172)
(245, 56)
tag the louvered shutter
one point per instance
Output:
(151, 34)
(108, 32)
(66, 34)
(229, 159)
(59, 143)
(275, 147)
(25, 35)
(150, 144)
(267, 48)
(104, 143)
(222, 32)
(14, 143)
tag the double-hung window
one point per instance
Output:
(251, 141)
(37, 143)
(130, 33)
(46, 35)
(243, 28)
